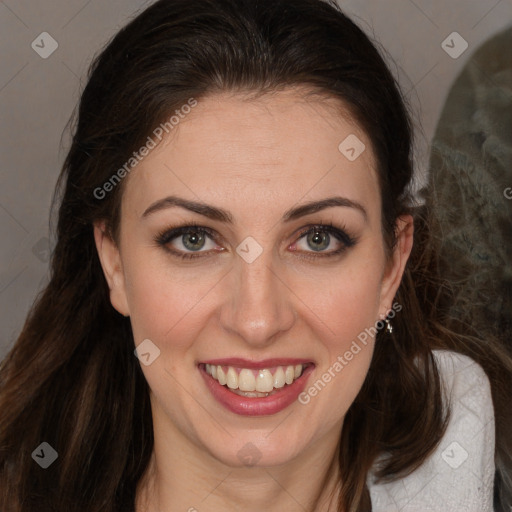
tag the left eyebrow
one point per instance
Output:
(315, 206)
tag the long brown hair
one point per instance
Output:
(72, 380)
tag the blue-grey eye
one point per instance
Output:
(193, 241)
(187, 239)
(318, 240)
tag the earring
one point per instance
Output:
(389, 327)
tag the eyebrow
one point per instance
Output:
(221, 215)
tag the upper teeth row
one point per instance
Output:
(263, 381)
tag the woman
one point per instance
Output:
(238, 318)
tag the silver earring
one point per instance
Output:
(389, 327)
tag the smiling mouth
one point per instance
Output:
(255, 383)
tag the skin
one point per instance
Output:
(255, 158)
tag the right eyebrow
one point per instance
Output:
(211, 212)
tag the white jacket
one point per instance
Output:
(459, 475)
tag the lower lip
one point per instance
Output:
(263, 406)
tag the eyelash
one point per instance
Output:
(164, 237)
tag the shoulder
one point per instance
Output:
(459, 475)
(460, 371)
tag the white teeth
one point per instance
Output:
(221, 376)
(250, 394)
(264, 381)
(232, 378)
(279, 380)
(246, 383)
(246, 380)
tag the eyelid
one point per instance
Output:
(163, 238)
(172, 232)
(330, 228)
(339, 233)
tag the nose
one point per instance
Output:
(259, 304)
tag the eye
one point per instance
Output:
(319, 238)
(184, 241)
(195, 241)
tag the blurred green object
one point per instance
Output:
(470, 175)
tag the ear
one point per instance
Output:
(110, 259)
(396, 264)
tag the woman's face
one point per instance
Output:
(255, 293)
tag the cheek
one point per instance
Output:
(348, 308)
(347, 349)
(164, 300)
(350, 313)
(351, 304)
(346, 298)
(168, 307)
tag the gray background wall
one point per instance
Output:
(37, 97)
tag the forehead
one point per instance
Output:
(275, 149)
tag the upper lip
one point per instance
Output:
(253, 364)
